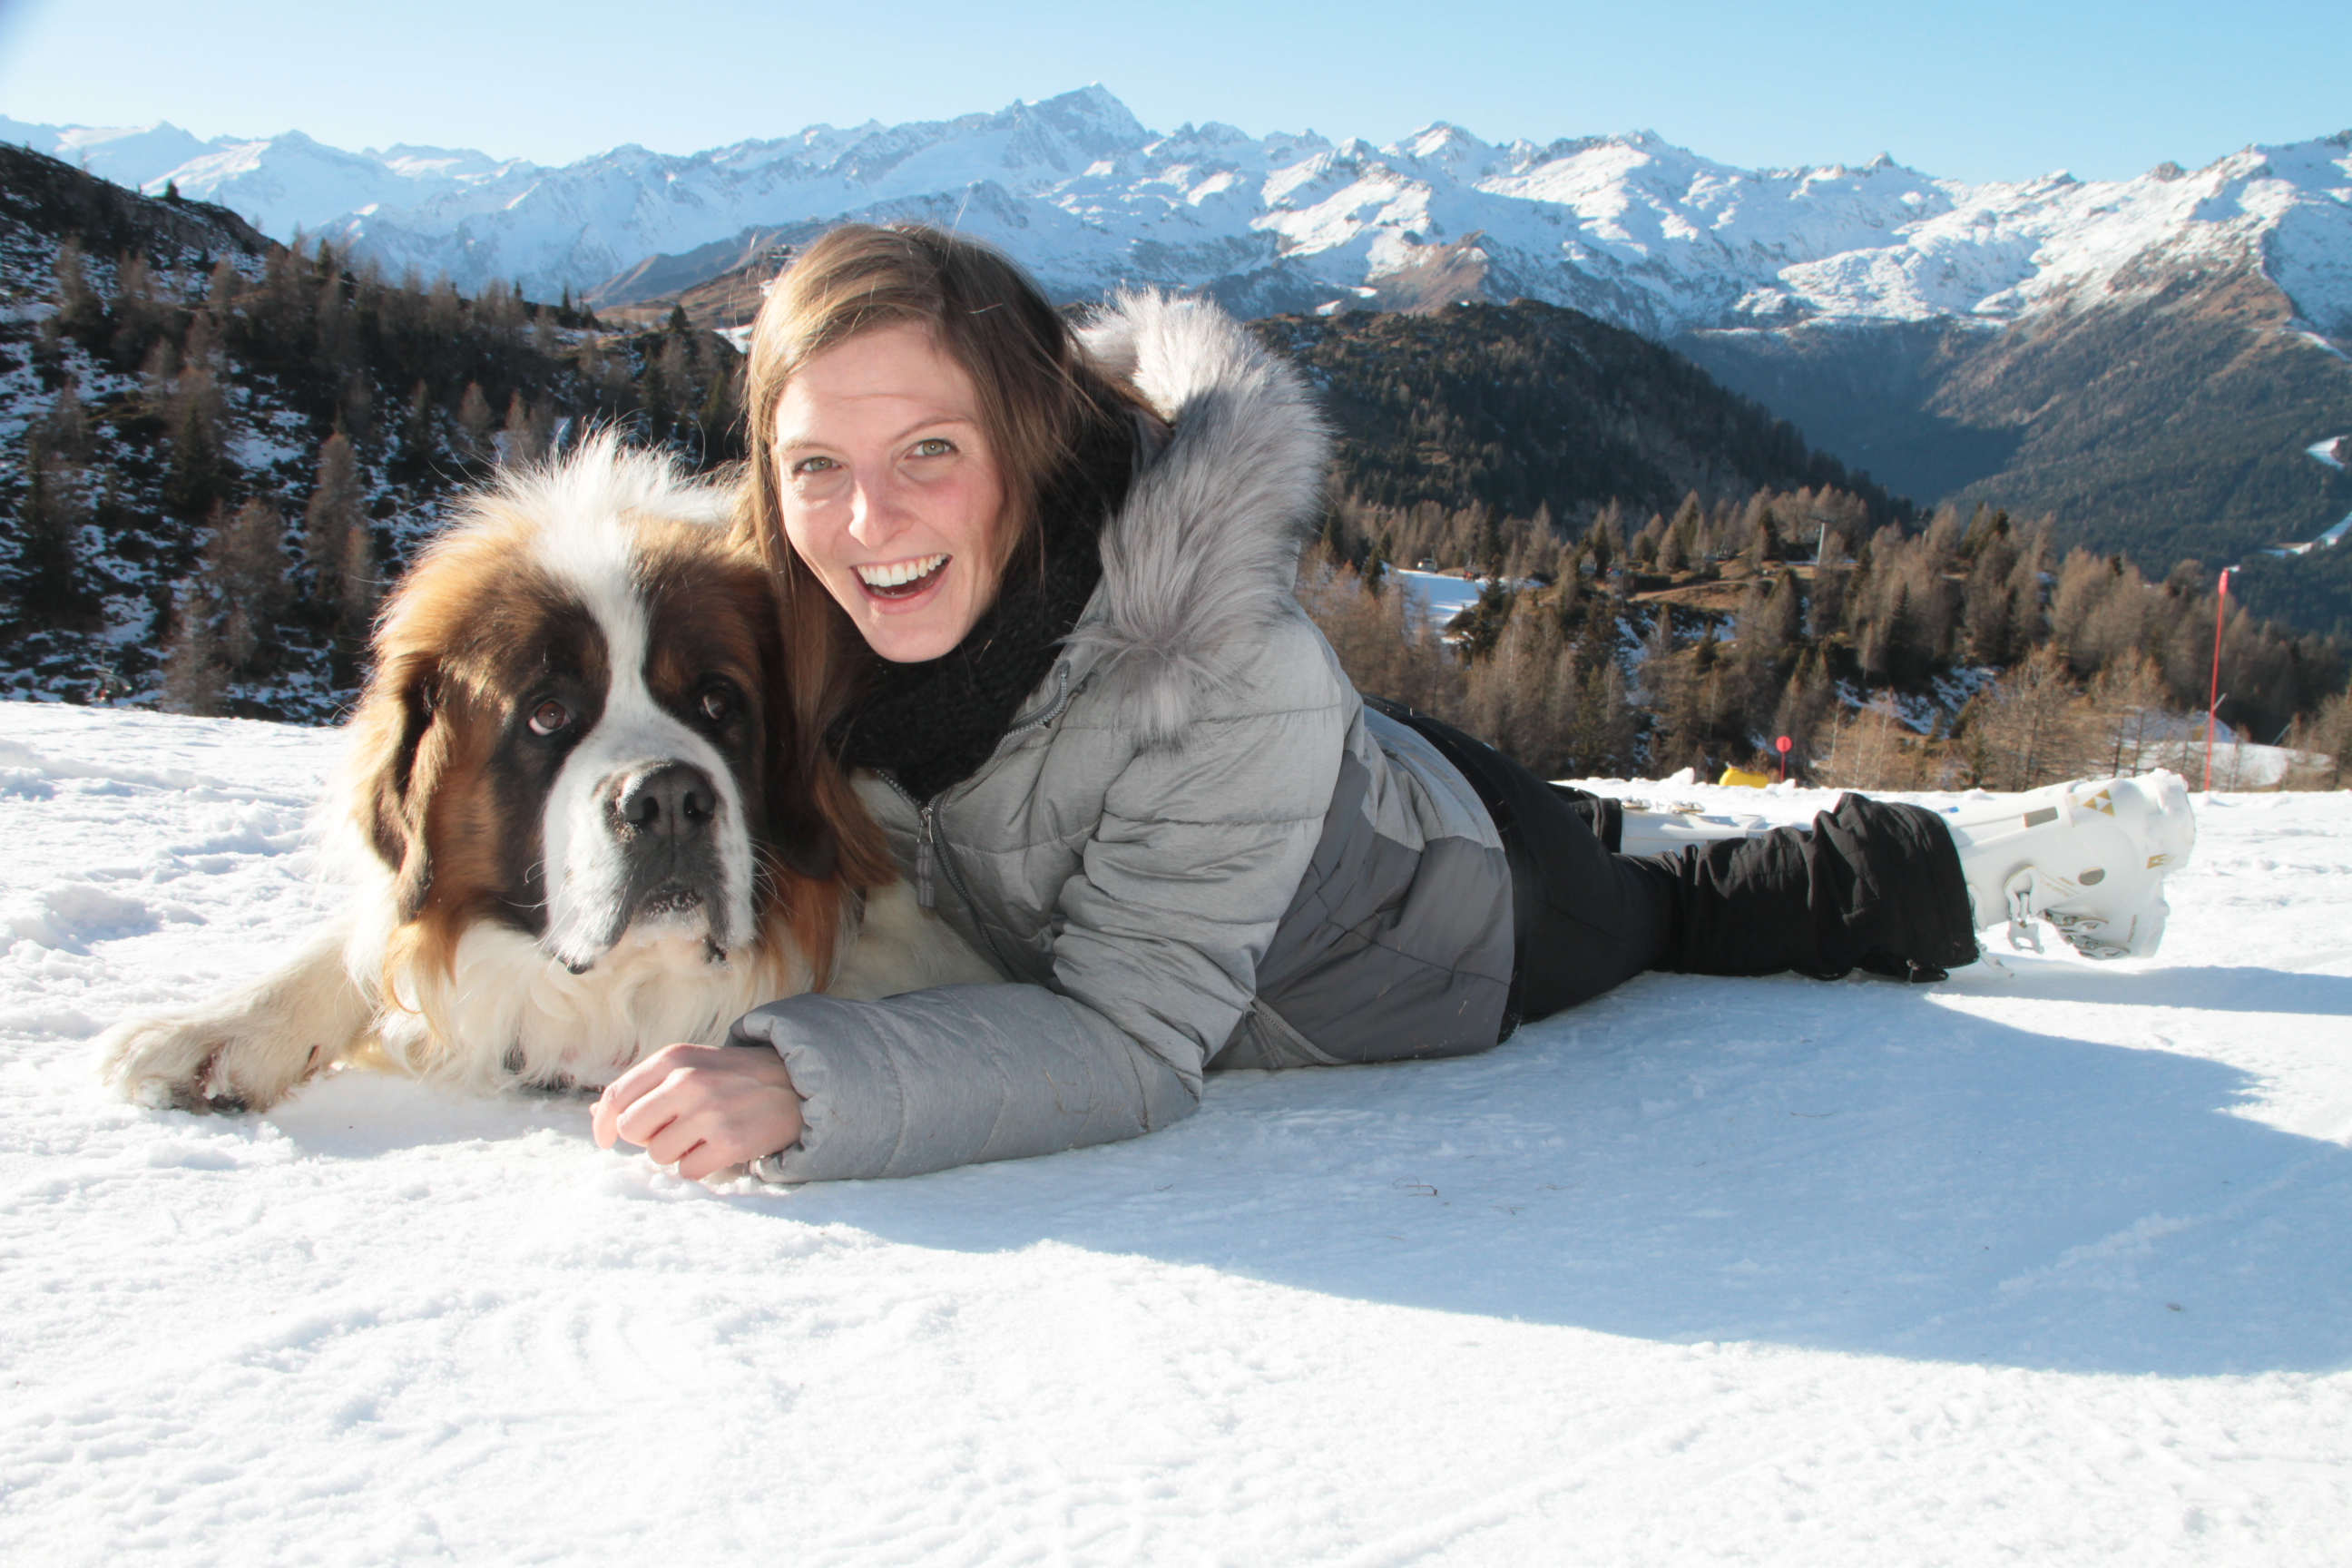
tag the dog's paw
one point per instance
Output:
(199, 1065)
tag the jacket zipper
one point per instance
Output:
(930, 848)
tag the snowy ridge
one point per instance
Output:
(2049, 1269)
(1628, 227)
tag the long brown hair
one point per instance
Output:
(1040, 398)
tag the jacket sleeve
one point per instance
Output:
(1199, 853)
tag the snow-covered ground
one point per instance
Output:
(2054, 1269)
(1441, 594)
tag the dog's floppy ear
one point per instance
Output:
(842, 838)
(397, 754)
(806, 843)
(801, 829)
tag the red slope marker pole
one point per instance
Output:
(1782, 745)
(2213, 696)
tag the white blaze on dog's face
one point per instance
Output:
(644, 826)
(569, 729)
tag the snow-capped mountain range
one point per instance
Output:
(1628, 227)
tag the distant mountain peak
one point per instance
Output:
(1628, 226)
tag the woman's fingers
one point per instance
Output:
(701, 1107)
(679, 1099)
(628, 1090)
(673, 1142)
(704, 1160)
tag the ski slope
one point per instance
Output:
(2053, 1268)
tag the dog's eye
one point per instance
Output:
(715, 704)
(549, 717)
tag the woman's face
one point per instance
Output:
(890, 490)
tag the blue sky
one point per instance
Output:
(1988, 90)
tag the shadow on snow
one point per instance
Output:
(1898, 1179)
(1852, 1168)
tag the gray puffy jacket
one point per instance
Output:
(1195, 848)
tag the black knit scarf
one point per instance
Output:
(931, 725)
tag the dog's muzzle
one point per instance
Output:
(663, 820)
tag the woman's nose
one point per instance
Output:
(876, 513)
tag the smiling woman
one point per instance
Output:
(925, 429)
(1040, 586)
(890, 490)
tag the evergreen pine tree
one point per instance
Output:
(2127, 722)
(245, 572)
(49, 516)
(139, 311)
(518, 440)
(336, 332)
(328, 520)
(473, 422)
(1601, 542)
(1886, 642)
(355, 612)
(193, 680)
(66, 429)
(721, 413)
(80, 313)
(2331, 735)
(2025, 730)
(1803, 705)
(196, 475)
(419, 436)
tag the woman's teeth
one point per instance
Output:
(902, 579)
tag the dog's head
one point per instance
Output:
(578, 726)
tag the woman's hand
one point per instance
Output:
(701, 1107)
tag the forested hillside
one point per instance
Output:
(1529, 407)
(1965, 653)
(1674, 579)
(220, 450)
(2173, 420)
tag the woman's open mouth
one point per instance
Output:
(902, 579)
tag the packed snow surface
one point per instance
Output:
(2049, 1269)
(1441, 594)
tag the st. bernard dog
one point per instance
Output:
(575, 819)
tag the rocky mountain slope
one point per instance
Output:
(2175, 417)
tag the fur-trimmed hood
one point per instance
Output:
(1202, 556)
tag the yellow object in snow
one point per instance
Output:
(1744, 779)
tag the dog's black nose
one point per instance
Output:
(674, 801)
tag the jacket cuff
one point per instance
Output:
(851, 1100)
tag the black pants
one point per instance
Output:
(1873, 885)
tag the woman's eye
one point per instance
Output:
(933, 447)
(549, 717)
(810, 467)
(715, 705)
